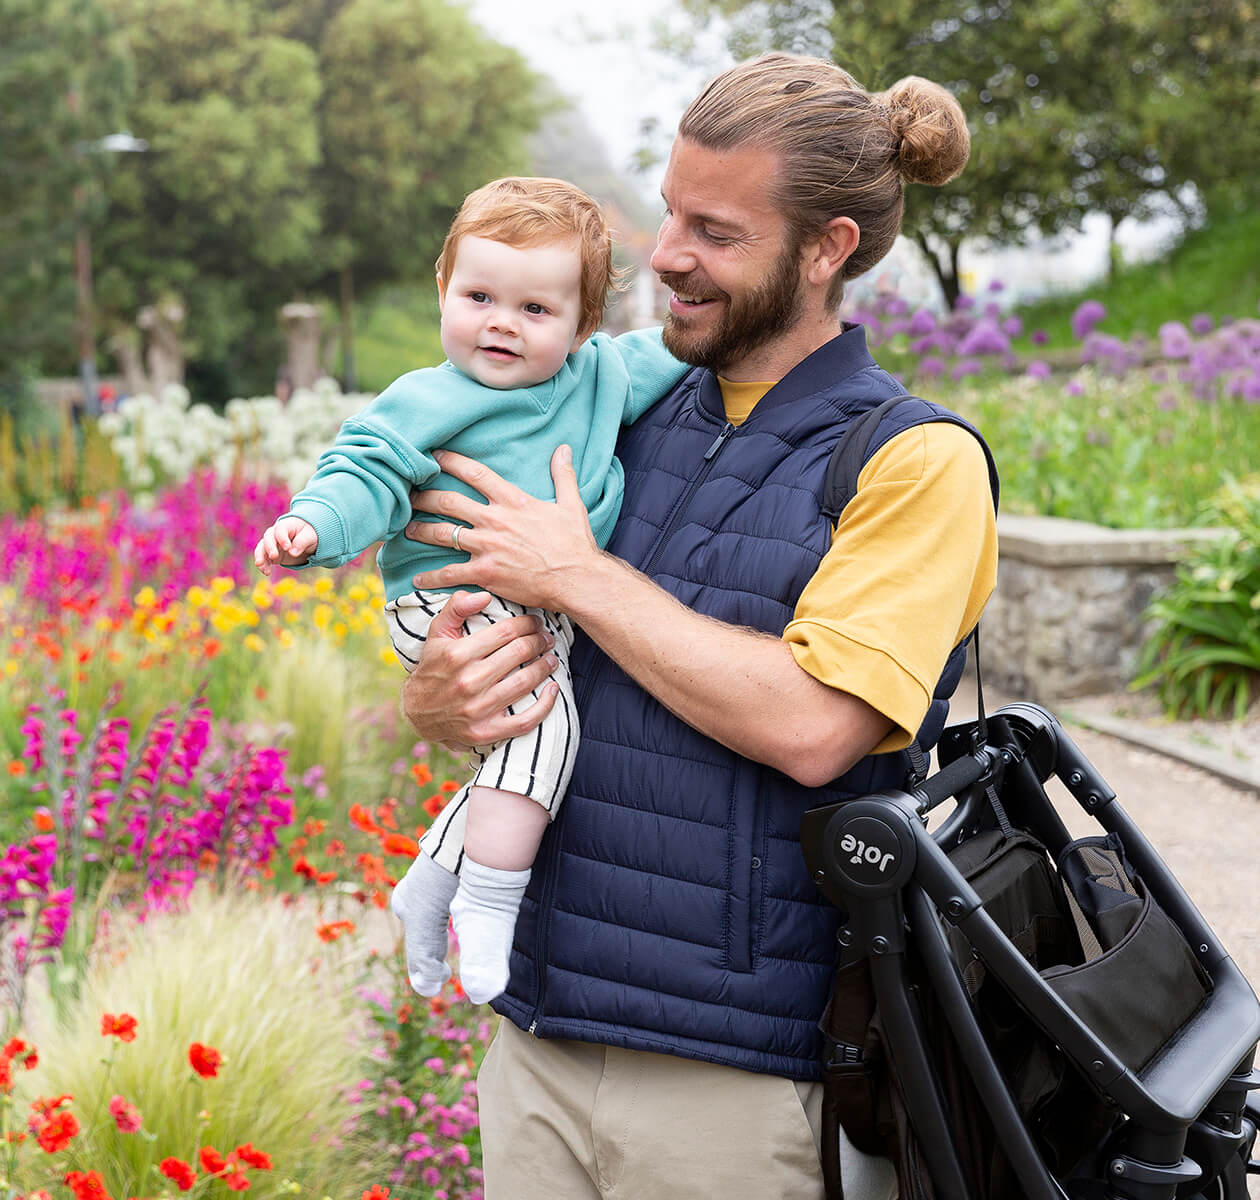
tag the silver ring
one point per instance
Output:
(455, 537)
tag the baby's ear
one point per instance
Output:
(582, 337)
(441, 286)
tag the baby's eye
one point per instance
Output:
(534, 309)
(478, 297)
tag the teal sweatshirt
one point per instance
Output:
(360, 492)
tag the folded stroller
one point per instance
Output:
(1020, 1014)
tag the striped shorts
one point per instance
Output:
(538, 763)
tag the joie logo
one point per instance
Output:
(859, 852)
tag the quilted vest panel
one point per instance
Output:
(669, 908)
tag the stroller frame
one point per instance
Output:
(1185, 1125)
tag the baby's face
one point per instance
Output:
(510, 315)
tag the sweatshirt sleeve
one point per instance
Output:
(361, 489)
(654, 372)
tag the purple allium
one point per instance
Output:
(985, 337)
(996, 285)
(1012, 326)
(1038, 369)
(1175, 340)
(964, 367)
(1088, 313)
(964, 303)
(1167, 401)
(931, 366)
(1039, 337)
(1202, 323)
(922, 323)
(1074, 387)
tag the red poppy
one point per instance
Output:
(333, 930)
(205, 1060)
(86, 1185)
(400, 844)
(449, 786)
(378, 1192)
(236, 1181)
(421, 774)
(56, 1132)
(41, 818)
(360, 817)
(434, 804)
(251, 1157)
(179, 1172)
(123, 1026)
(212, 1162)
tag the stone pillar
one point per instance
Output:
(163, 323)
(301, 323)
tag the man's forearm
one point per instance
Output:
(741, 687)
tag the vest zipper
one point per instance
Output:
(709, 455)
(544, 906)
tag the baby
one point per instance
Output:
(522, 281)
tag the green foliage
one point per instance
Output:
(1125, 453)
(1214, 270)
(1073, 107)
(1204, 657)
(397, 332)
(64, 84)
(238, 972)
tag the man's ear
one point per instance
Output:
(827, 253)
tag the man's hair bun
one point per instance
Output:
(929, 130)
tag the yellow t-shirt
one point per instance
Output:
(913, 560)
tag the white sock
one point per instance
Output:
(484, 911)
(422, 902)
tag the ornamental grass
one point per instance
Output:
(246, 1032)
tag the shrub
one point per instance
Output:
(1204, 657)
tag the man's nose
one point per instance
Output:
(673, 254)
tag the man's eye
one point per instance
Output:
(534, 309)
(717, 238)
(478, 297)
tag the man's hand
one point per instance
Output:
(524, 549)
(460, 690)
(289, 542)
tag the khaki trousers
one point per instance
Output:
(565, 1120)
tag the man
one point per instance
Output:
(743, 660)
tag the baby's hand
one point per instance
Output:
(289, 542)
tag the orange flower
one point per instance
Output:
(449, 786)
(86, 1185)
(210, 648)
(434, 804)
(333, 930)
(56, 1132)
(17, 767)
(378, 1192)
(360, 817)
(123, 1026)
(302, 867)
(313, 828)
(212, 1162)
(325, 877)
(258, 1159)
(400, 844)
(205, 1060)
(421, 774)
(41, 818)
(403, 1015)
(179, 1172)
(45, 1108)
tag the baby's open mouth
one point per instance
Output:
(498, 352)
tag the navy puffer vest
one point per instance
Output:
(670, 908)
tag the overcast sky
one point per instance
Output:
(604, 60)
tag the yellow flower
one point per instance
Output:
(198, 597)
(358, 593)
(255, 643)
(286, 639)
(146, 597)
(339, 629)
(261, 596)
(10, 667)
(387, 656)
(323, 587)
(321, 616)
(220, 585)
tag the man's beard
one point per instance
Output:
(750, 321)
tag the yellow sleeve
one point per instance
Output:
(913, 561)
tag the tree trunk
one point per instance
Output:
(349, 377)
(946, 272)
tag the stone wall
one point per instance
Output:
(1066, 618)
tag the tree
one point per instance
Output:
(419, 108)
(64, 84)
(220, 210)
(1073, 106)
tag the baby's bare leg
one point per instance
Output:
(500, 842)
